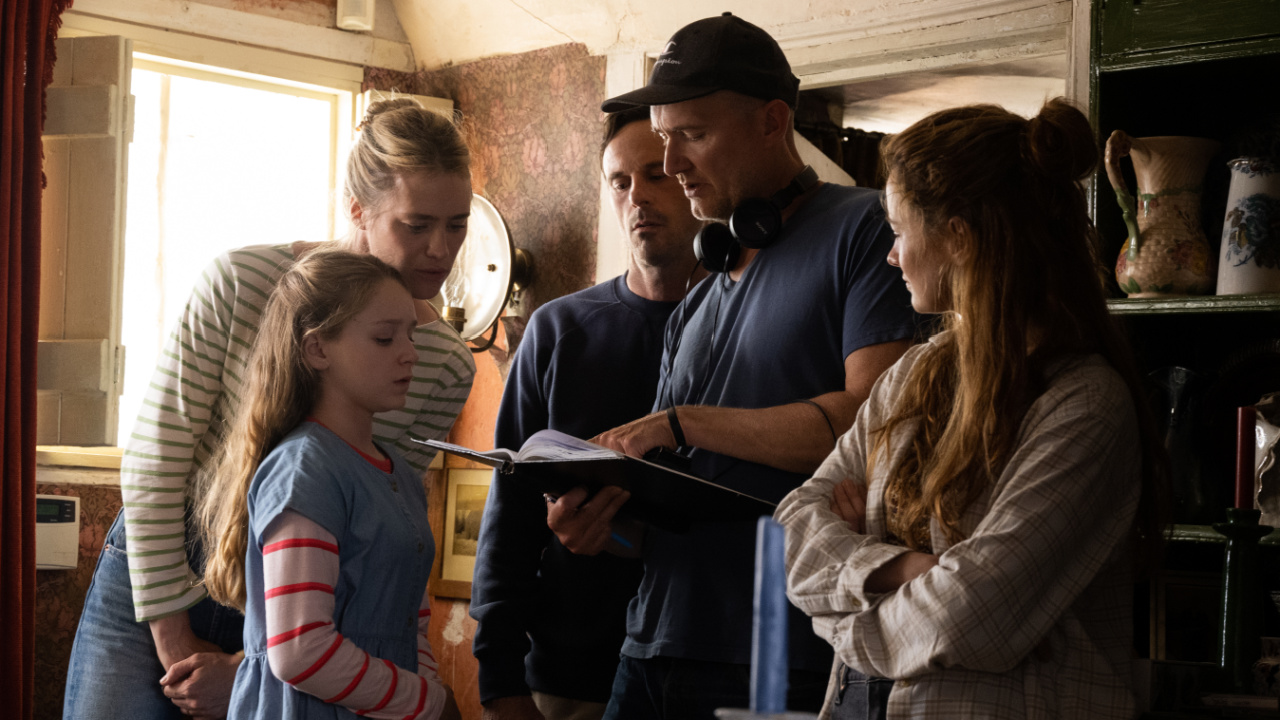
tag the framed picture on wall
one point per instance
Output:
(466, 491)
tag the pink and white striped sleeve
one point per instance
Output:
(304, 648)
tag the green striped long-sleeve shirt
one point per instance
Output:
(197, 379)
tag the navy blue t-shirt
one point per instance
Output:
(550, 620)
(781, 333)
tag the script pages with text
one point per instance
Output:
(555, 463)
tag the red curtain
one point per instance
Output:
(27, 30)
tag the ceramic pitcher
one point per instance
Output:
(1250, 257)
(1166, 252)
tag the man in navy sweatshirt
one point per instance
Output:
(551, 622)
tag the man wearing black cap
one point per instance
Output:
(766, 364)
(550, 622)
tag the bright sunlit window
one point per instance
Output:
(218, 161)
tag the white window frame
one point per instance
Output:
(195, 56)
(342, 105)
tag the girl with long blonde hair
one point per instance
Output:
(150, 641)
(968, 548)
(319, 532)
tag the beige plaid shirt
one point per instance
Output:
(1045, 565)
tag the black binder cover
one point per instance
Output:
(660, 496)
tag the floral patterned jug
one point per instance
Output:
(1250, 258)
(1166, 252)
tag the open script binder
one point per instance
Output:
(555, 463)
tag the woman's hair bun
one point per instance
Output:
(379, 107)
(399, 135)
(1060, 142)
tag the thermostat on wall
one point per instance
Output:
(57, 532)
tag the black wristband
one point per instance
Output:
(824, 417)
(676, 431)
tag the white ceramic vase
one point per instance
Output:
(1249, 261)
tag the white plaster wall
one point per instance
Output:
(318, 13)
(821, 37)
(250, 25)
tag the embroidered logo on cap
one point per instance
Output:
(663, 59)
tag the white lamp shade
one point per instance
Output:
(481, 277)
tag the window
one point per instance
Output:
(212, 158)
(218, 161)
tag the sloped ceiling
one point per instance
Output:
(444, 31)
(815, 32)
(890, 104)
(887, 63)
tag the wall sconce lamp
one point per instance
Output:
(487, 274)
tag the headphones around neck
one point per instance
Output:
(755, 223)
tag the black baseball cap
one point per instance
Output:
(718, 53)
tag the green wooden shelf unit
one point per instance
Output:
(1147, 33)
(1195, 304)
(1206, 534)
(1204, 68)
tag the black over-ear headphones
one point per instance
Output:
(755, 223)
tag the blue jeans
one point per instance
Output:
(114, 671)
(664, 688)
(861, 697)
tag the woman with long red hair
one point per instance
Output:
(968, 548)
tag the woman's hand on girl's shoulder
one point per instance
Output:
(849, 501)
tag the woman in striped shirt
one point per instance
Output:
(146, 614)
(320, 531)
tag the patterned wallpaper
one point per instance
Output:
(60, 593)
(533, 123)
